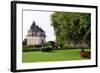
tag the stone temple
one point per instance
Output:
(36, 36)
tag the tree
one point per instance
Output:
(71, 27)
(25, 41)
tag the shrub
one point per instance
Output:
(46, 49)
(48, 46)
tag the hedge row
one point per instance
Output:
(30, 49)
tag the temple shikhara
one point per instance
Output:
(36, 35)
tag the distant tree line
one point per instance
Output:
(72, 27)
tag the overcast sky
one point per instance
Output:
(42, 19)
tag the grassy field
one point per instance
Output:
(55, 55)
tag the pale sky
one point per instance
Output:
(42, 19)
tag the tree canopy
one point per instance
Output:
(71, 27)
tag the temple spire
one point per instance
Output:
(33, 24)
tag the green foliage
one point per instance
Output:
(30, 49)
(71, 27)
(46, 49)
(25, 41)
(82, 50)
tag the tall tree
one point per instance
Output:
(71, 27)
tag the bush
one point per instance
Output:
(48, 46)
(47, 49)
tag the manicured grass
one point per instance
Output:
(55, 55)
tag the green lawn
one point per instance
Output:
(55, 55)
